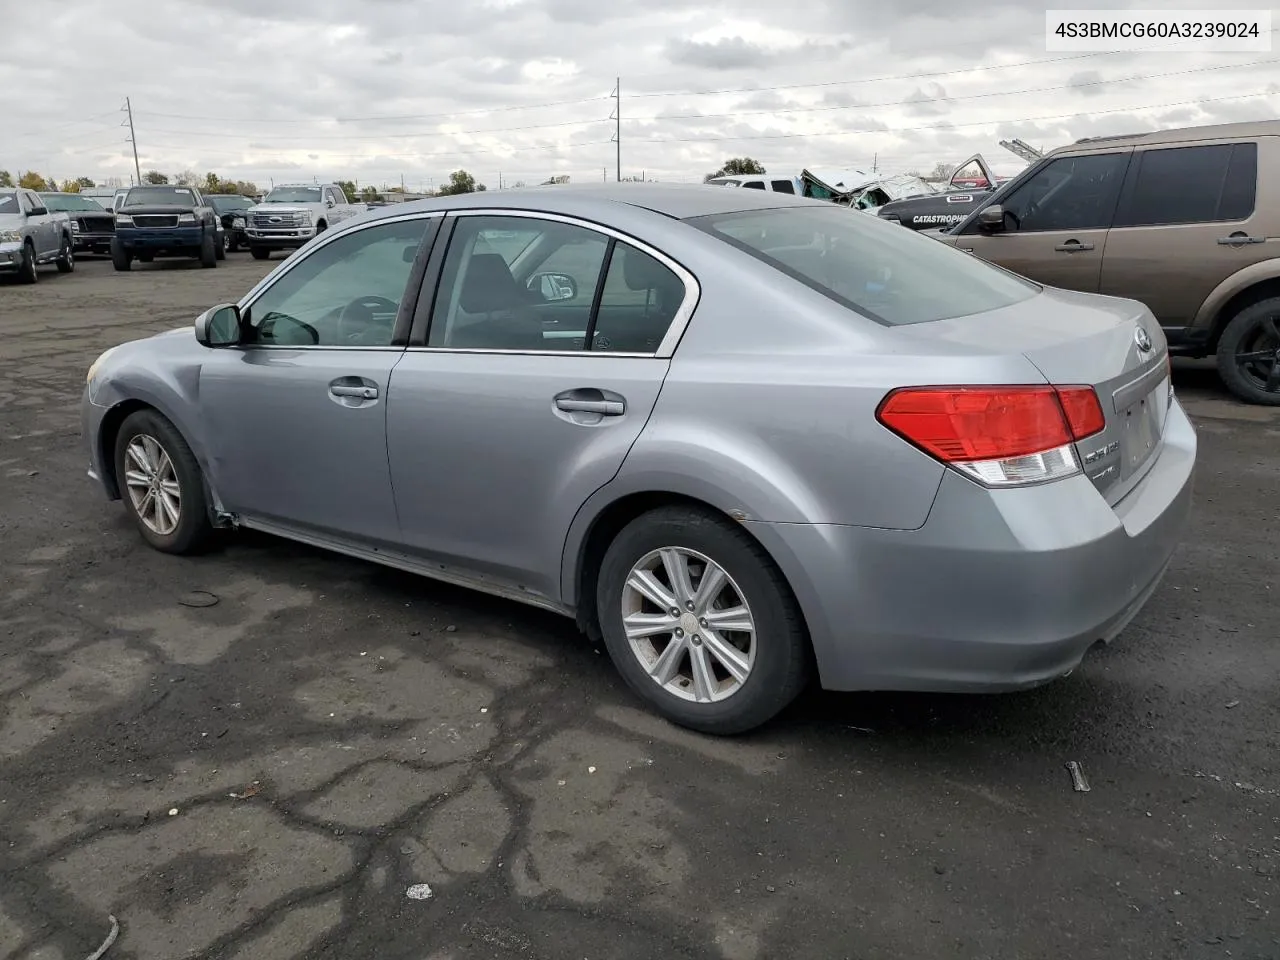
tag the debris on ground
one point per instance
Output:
(173, 811)
(251, 790)
(111, 938)
(1233, 704)
(199, 598)
(1078, 782)
(419, 891)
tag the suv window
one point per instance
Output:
(783, 186)
(754, 184)
(345, 294)
(1191, 185)
(1069, 193)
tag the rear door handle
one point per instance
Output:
(1239, 240)
(359, 392)
(608, 408)
(1073, 246)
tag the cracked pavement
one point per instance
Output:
(265, 777)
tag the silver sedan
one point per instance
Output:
(743, 438)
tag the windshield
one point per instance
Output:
(176, 196)
(222, 204)
(9, 203)
(892, 275)
(69, 201)
(293, 195)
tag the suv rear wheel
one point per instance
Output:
(1249, 353)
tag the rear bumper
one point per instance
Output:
(998, 590)
(159, 239)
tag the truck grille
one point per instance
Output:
(277, 221)
(155, 219)
(95, 224)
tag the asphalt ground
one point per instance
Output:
(267, 776)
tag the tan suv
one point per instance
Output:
(1186, 221)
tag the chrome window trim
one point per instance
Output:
(679, 322)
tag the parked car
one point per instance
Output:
(166, 221)
(972, 183)
(292, 213)
(31, 235)
(1186, 221)
(232, 210)
(732, 434)
(758, 182)
(91, 227)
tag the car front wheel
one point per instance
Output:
(161, 484)
(66, 256)
(1249, 353)
(700, 622)
(27, 272)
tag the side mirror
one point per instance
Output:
(991, 219)
(39, 211)
(553, 287)
(328, 201)
(219, 326)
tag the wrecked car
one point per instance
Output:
(969, 185)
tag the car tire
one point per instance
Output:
(120, 258)
(66, 257)
(1248, 353)
(173, 481)
(260, 253)
(772, 663)
(228, 244)
(220, 249)
(208, 252)
(28, 272)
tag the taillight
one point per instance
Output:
(997, 435)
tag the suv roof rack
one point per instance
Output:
(1114, 136)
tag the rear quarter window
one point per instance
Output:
(874, 267)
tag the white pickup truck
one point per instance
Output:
(293, 213)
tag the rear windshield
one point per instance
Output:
(884, 271)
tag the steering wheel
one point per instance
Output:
(357, 323)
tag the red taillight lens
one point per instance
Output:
(999, 435)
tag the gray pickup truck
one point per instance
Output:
(30, 235)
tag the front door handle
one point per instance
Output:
(608, 408)
(1239, 239)
(1073, 246)
(358, 392)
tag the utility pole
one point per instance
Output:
(133, 139)
(617, 125)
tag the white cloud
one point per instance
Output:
(257, 89)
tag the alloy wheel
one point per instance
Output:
(688, 625)
(153, 485)
(1259, 361)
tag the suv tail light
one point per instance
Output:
(999, 436)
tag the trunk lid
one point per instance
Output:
(1113, 345)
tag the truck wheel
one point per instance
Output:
(66, 256)
(1249, 353)
(27, 272)
(120, 258)
(260, 253)
(208, 251)
(221, 248)
(229, 243)
(321, 227)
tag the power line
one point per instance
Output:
(948, 125)
(969, 96)
(381, 136)
(383, 118)
(379, 155)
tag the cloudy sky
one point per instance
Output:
(521, 89)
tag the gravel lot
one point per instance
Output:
(393, 731)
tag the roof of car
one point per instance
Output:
(680, 201)
(1219, 131)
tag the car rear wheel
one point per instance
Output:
(161, 484)
(221, 248)
(27, 273)
(1249, 353)
(260, 253)
(66, 257)
(700, 622)
(120, 258)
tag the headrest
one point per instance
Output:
(642, 272)
(489, 285)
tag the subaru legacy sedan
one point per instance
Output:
(743, 438)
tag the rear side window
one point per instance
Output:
(1191, 185)
(754, 184)
(869, 265)
(783, 186)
